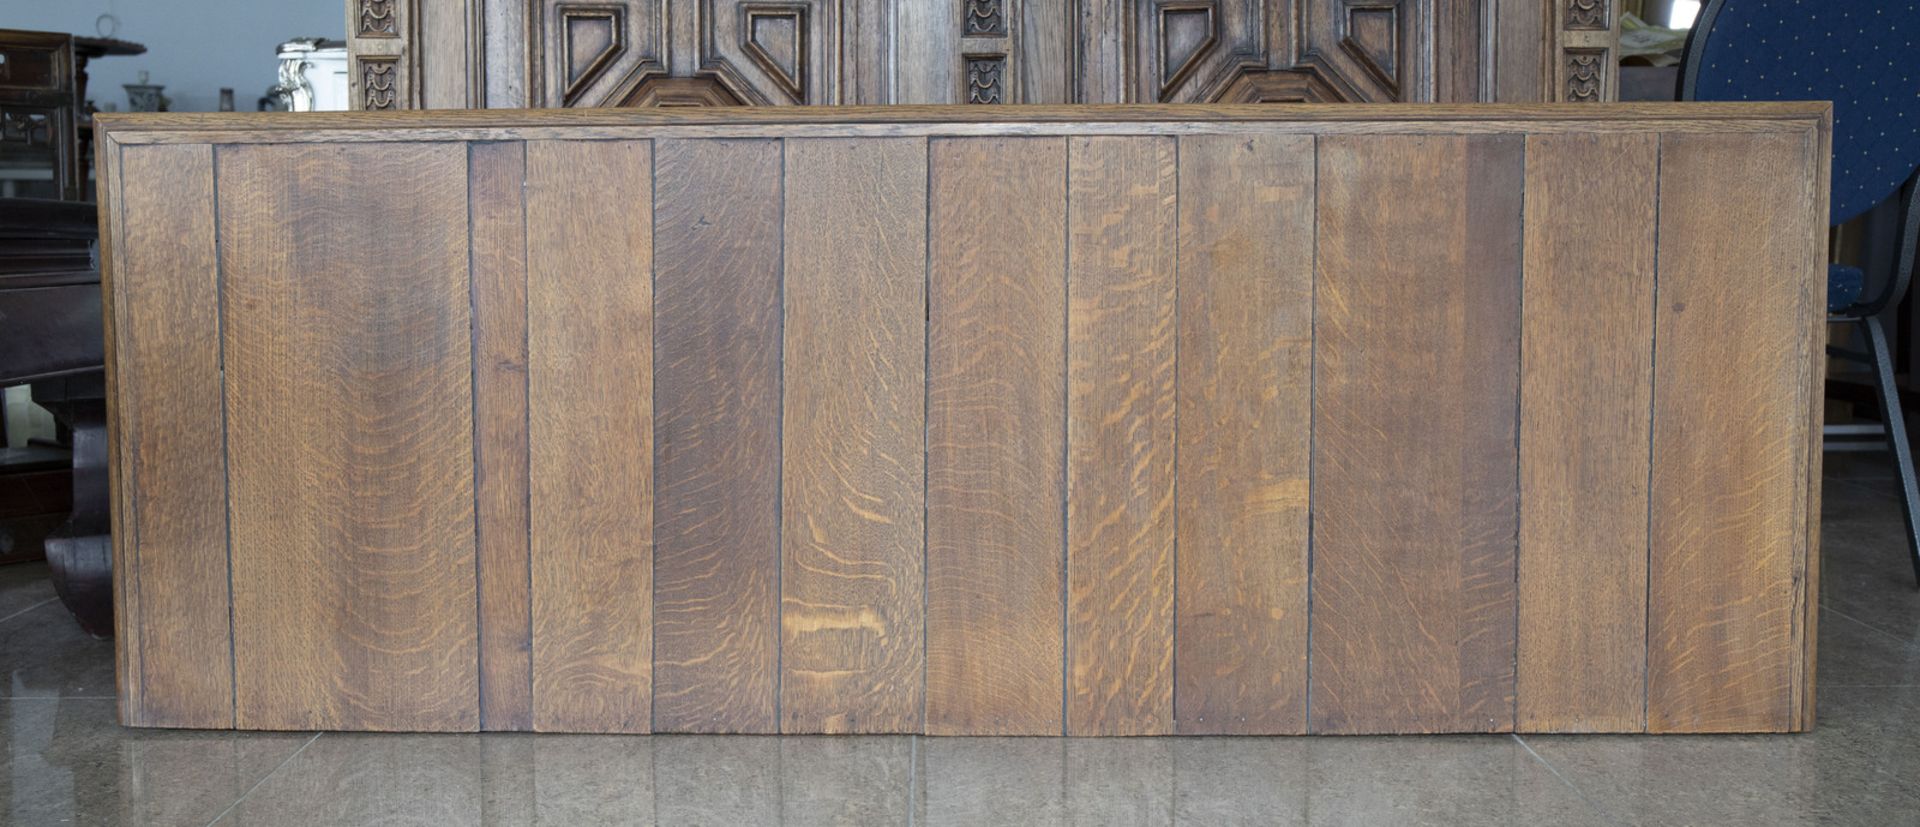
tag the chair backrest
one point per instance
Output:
(1860, 54)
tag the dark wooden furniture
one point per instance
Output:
(970, 420)
(499, 54)
(39, 104)
(50, 336)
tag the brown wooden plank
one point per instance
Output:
(716, 231)
(1818, 208)
(496, 172)
(1730, 447)
(1245, 382)
(853, 581)
(1585, 391)
(996, 407)
(590, 440)
(167, 407)
(1121, 220)
(350, 436)
(1414, 468)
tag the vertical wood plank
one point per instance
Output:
(1121, 221)
(853, 581)
(171, 442)
(716, 243)
(1814, 246)
(1585, 391)
(1730, 450)
(497, 204)
(996, 412)
(1245, 385)
(350, 435)
(590, 440)
(1414, 468)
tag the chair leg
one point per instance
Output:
(1896, 435)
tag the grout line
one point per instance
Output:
(913, 777)
(1578, 793)
(263, 779)
(28, 609)
(1827, 605)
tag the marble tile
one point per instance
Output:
(66, 761)
(43, 654)
(22, 586)
(1814, 778)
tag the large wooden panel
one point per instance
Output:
(177, 667)
(350, 436)
(1121, 222)
(854, 524)
(495, 177)
(1585, 391)
(1414, 467)
(1731, 385)
(1245, 382)
(996, 429)
(590, 440)
(716, 254)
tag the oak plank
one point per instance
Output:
(853, 577)
(590, 433)
(349, 409)
(1414, 468)
(717, 322)
(996, 407)
(169, 419)
(1727, 567)
(1121, 220)
(497, 203)
(1245, 384)
(1585, 394)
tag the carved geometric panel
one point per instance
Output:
(591, 37)
(1189, 50)
(1186, 34)
(661, 91)
(1280, 86)
(596, 53)
(776, 39)
(771, 52)
(1371, 50)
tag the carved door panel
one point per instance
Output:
(583, 53)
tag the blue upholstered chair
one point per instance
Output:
(1860, 54)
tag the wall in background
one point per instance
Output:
(194, 47)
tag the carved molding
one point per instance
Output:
(983, 18)
(1303, 85)
(985, 78)
(595, 53)
(1587, 15)
(1370, 33)
(601, 29)
(379, 83)
(1186, 31)
(377, 19)
(661, 91)
(1586, 75)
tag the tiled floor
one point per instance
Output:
(64, 761)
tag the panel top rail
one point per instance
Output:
(955, 120)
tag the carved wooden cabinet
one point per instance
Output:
(585, 53)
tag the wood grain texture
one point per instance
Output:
(1417, 324)
(172, 439)
(1727, 565)
(350, 436)
(1121, 224)
(496, 173)
(1585, 394)
(996, 410)
(716, 253)
(590, 440)
(1245, 397)
(853, 578)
